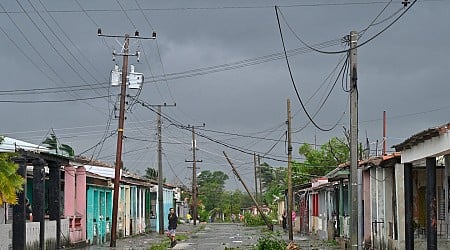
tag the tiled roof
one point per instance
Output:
(421, 137)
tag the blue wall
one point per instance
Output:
(99, 214)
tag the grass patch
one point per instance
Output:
(166, 242)
(181, 237)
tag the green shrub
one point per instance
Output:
(271, 241)
(253, 220)
(256, 220)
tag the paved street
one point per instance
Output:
(211, 236)
(221, 236)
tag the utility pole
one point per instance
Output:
(355, 229)
(194, 174)
(123, 90)
(268, 223)
(256, 179)
(260, 179)
(289, 175)
(384, 133)
(160, 171)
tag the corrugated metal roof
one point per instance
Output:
(12, 145)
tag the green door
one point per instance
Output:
(108, 214)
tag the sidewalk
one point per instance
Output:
(306, 241)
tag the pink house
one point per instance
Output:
(75, 202)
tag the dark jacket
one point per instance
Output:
(173, 220)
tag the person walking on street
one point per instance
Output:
(188, 218)
(173, 221)
(283, 220)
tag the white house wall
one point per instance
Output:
(400, 193)
(377, 179)
(435, 146)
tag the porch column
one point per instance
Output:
(409, 229)
(19, 223)
(39, 198)
(446, 192)
(54, 205)
(80, 188)
(431, 203)
(341, 207)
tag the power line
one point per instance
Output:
(293, 82)
(47, 38)
(181, 126)
(126, 14)
(243, 63)
(55, 101)
(347, 50)
(230, 7)
(48, 91)
(248, 136)
(375, 19)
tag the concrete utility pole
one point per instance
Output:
(194, 174)
(355, 234)
(260, 179)
(268, 223)
(384, 133)
(160, 175)
(289, 175)
(256, 179)
(160, 171)
(123, 90)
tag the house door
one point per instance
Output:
(108, 214)
(101, 216)
(422, 207)
(95, 220)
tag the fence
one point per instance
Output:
(32, 235)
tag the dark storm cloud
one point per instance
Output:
(403, 71)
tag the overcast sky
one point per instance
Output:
(230, 75)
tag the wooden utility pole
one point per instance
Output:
(269, 225)
(354, 215)
(256, 179)
(123, 90)
(289, 175)
(194, 174)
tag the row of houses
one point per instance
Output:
(82, 192)
(405, 200)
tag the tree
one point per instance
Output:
(52, 143)
(319, 161)
(275, 189)
(151, 173)
(10, 181)
(211, 187)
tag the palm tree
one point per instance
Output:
(52, 143)
(151, 173)
(10, 181)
